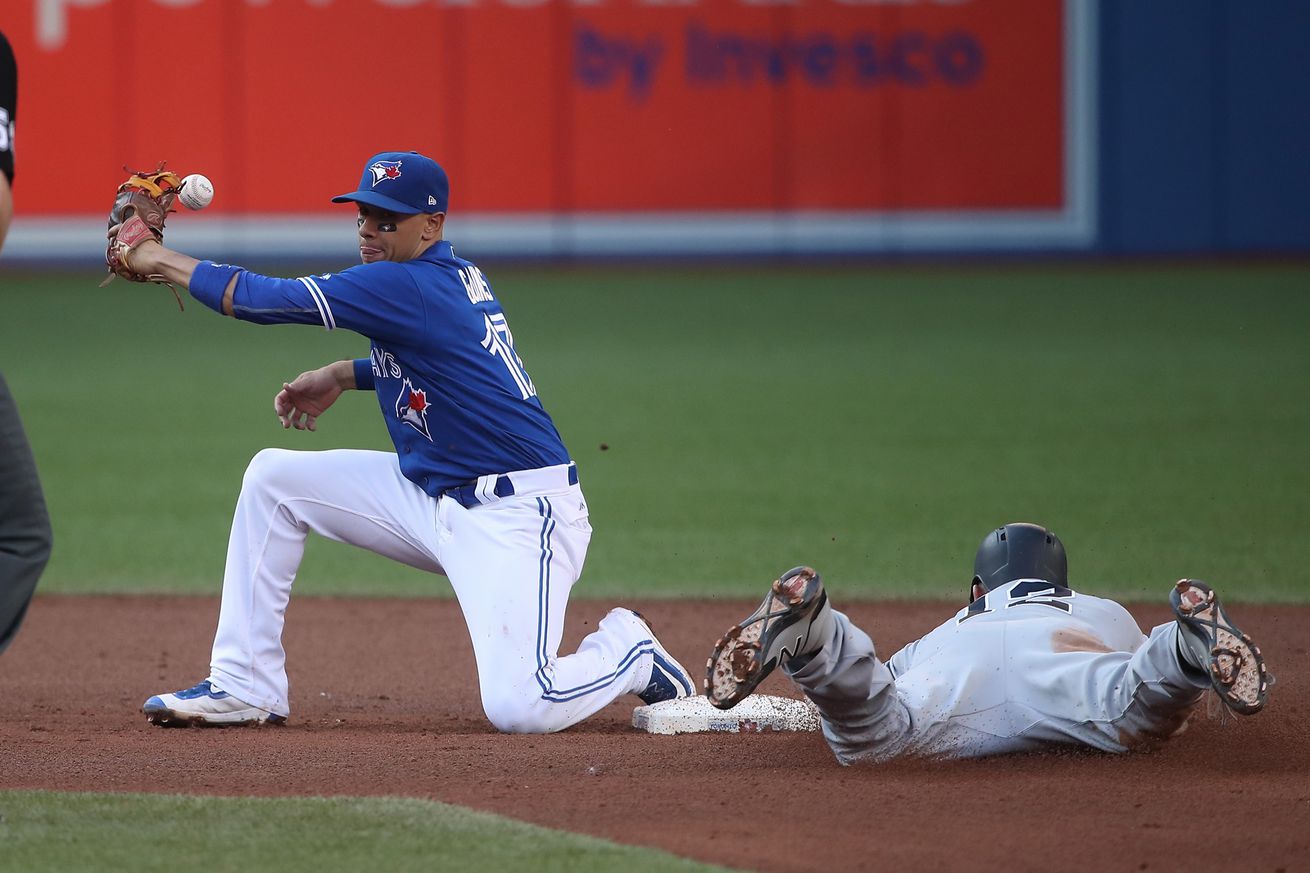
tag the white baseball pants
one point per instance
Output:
(511, 561)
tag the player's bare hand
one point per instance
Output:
(302, 400)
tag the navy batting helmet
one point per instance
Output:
(1020, 551)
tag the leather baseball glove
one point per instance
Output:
(141, 205)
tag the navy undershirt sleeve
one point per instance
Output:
(209, 281)
(363, 374)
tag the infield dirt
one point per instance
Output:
(385, 702)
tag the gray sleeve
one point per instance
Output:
(903, 660)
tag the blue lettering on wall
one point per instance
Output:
(907, 58)
(600, 61)
(959, 58)
(820, 58)
(910, 58)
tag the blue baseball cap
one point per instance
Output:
(404, 182)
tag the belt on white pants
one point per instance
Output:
(494, 486)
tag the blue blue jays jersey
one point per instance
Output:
(453, 391)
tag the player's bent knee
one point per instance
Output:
(512, 713)
(266, 467)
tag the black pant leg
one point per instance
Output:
(25, 536)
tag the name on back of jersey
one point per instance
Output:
(475, 284)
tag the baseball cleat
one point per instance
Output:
(1213, 643)
(794, 619)
(204, 706)
(669, 680)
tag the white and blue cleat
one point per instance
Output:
(204, 705)
(669, 680)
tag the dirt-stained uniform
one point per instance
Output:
(1026, 665)
(1029, 663)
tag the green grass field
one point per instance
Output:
(49, 832)
(873, 421)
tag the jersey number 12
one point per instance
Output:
(1029, 591)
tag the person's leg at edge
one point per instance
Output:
(25, 538)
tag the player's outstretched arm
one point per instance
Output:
(151, 258)
(302, 400)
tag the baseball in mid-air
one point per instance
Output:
(196, 191)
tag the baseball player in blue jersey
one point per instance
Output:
(1028, 664)
(480, 487)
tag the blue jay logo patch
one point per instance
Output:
(383, 170)
(412, 408)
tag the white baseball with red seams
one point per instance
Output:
(196, 191)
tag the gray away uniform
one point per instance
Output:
(1028, 666)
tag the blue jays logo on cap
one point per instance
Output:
(383, 170)
(421, 186)
(412, 407)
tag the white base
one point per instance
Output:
(759, 712)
